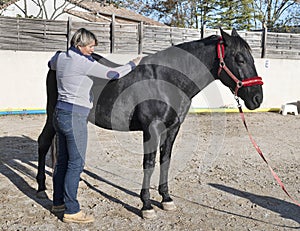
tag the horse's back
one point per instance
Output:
(149, 92)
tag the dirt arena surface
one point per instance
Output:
(217, 179)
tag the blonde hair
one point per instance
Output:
(83, 37)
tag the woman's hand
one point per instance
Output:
(137, 60)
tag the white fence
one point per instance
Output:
(23, 82)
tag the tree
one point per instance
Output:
(233, 14)
(194, 13)
(174, 13)
(241, 14)
(170, 12)
(45, 9)
(277, 13)
(181, 13)
(204, 12)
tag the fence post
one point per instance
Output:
(112, 34)
(69, 31)
(264, 41)
(203, 28)
(45, 35)
(140, 37)
(18, 33)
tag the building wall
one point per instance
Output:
(23, 82)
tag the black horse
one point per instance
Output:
(156, 96)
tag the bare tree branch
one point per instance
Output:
(21, 9)
(58, 8)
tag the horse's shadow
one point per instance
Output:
(285, 209)
(115, 200)
(18, 155)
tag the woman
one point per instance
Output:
(73, 71)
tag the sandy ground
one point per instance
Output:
(217, 179)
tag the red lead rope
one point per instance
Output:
(262, 156)
(256, 80)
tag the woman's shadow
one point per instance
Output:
(285, 209)
(17, 158)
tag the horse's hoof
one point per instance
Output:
(42, 195)
(148, 214)
(168, 206)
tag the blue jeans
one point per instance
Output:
(71, 131)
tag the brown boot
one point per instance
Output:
(79, 217)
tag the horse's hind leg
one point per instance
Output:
(151, 137)
(44, 142)
(167, 141)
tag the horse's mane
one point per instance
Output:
(196, 44)
(211, 37)
(104, 61)
(240, 42)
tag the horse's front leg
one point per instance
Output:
(167, 141)
(44, 143)
(150, 140)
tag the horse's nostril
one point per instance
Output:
(257, 99)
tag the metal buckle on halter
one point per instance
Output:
(221, 41)
(239, 84)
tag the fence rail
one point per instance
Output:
(34, 35)
(47, 35)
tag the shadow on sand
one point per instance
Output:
(17, 156)
(130, 208)
(284, 209)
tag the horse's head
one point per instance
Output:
(237, 70)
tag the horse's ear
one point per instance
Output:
(225, 36)
(234, 33)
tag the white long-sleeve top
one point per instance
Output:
(73, 72)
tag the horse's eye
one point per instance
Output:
(240, 59)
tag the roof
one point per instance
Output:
(94, 17)
(105, 12)
(102, 12)
(8, 3)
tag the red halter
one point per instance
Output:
(256, 80)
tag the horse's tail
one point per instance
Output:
(51, 85)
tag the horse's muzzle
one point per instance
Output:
(254, 102)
